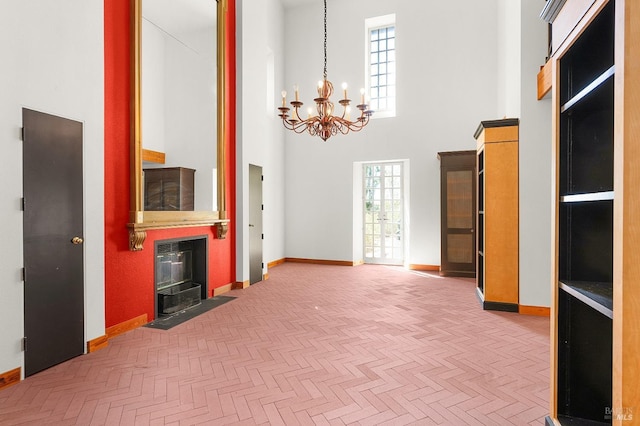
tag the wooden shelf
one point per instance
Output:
(144, 221)
(545, 82)
(153, 156)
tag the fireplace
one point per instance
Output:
(181, 275)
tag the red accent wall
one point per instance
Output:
(129, 287)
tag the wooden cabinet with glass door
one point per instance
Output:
(458, 213)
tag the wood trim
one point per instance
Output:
(275, 263)
(566, 21)
(10, 378)
(135, 162)
(321, 261)
(138, 229)
(489, 124)
(539, 311)
(553, 282)
(416, 267)
(239, 285)
(499, 306)
(222, 290)
(501, 134)
(153, 156)
(626, 221)
(545, 80)
(123, 327)
(265, 277)
(576, 28)
(97, 344)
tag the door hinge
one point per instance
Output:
(24, 344)
(262, 236)
(23, 273)
(262, 178)
(22, 134)
(262, 265)
(262, 207)
(22, 203)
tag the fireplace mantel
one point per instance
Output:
(146, 220)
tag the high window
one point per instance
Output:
(381, 65)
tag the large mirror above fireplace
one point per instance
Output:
(178, 116)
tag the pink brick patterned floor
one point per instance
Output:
(316, 345)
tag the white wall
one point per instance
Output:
(447, 84)
(260, 134)
(535, 163)
(509, 53)
(52, 60)
(522, 47)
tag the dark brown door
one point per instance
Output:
(53, 251)
(255, 224)
(458, 213)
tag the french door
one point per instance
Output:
(383, 213)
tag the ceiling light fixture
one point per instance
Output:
(324, 124)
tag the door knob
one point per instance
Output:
(77, 240)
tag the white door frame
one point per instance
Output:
(383, 213)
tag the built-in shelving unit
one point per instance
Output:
(480, 225)
(585, 223)
(595, 286)
(497, 260)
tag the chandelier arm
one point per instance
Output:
(301, 126)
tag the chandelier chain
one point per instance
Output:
(325, 40)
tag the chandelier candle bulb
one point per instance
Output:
(344, 88)
(362, 96)
(284, 98)
(295, 88)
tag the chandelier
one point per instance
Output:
(324, 124)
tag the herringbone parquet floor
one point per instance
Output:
(314, 344)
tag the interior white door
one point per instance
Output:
(383, 213)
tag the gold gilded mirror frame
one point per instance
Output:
(141, 220)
